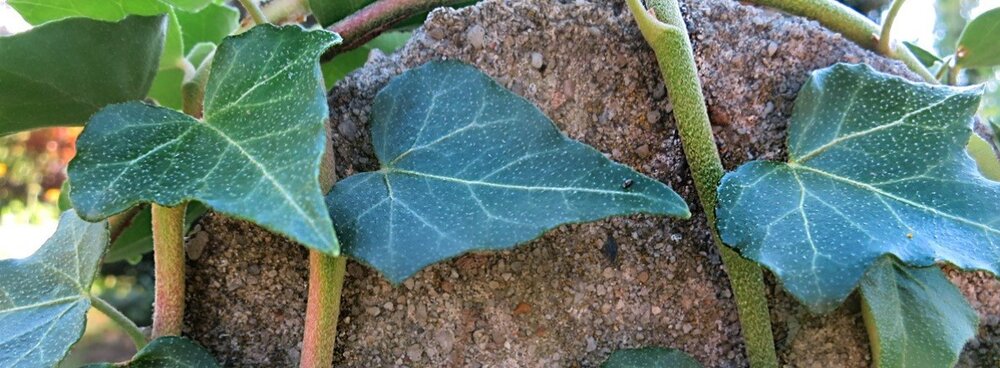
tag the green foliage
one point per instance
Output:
(166, 89)
(977, 46)
(652, 357)
(41, 11)
(925, 57)
(985, 157)
(167, 352)
(255, 156)
(467, 165)
(328, 12)
(877, 165)
(137, 239)
(344, 63)
(211, 24)
(44, 298)
(112, 62)
(916, 317)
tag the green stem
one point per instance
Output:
(326, 281)
(168, 259)
(254, 11)
(667, 34)
(844, 20)
(885, 38)
(126, 324)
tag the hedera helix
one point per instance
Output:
(252, 130)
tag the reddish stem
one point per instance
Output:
(380, 16)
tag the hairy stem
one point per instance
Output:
(168, 257)
(885, 38)
(254, 11)
(123, 322)
(326, 280)
(841, 19)
(667, 34)
(380, 16)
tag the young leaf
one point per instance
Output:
(112, 62)
(255, 156)
(44, 298)
(876, 165)
(467, 165)
(977, 46)
(211, 24)
(167, 352)
(915, 315)
(926, 57)
(652, 357)
(41, 11)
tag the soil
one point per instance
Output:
(562, 300)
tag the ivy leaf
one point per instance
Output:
(41, 11)
(166, 88)
(652, 357)
(211, 24)
(112, 62)
(189, 5)
(167, 352)
(255, 156)
(344, 63)
(925, 57)
(985, 158)
(467, 165)
(44, 298)
(915, 315)
(877, 165)
(977, 46)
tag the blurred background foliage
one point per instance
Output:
(32, 164)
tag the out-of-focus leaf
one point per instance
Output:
(926, 57)
(167, 352)
(41, 11)
(137, 239)
(210, 24)
(979, 44)
(985, 158)
(166, 89)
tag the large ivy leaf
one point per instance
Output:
(915, 316)
(41, 11)
(876, 165)
(210, 24)
(44, 298)
(167, 352)
(977, 46)
(256, 155)
(652, 357)
(111, 62)
(467, 165)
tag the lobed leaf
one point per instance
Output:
(112, 62)
(652, 357)
(915, 316)
(467, 165)
(876, 165)
(167, 352)
(977, 46)
(255, 156)
(44, 298)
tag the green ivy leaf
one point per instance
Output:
(926, 57)
(652, 357)
(467, 165)
(915, 316)
(167, 352)
(977, 46)
(44, 298)
(255, 156)
(189, 5)
(137, 239)
(877, 165)
(985, 158)
(41, 11)
(211, 24)
(344, 63)
(112, 62)
(173, 67)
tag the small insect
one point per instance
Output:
(909, 235)
(627, 184)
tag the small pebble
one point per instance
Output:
(374, 311)
(643, 276)
(608, 272)
(522, 308)
(415, 352)
(591, 344)
(476, 35)
(655, 310)
(652, 116)
(536, 60)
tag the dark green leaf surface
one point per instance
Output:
(112, 62)
(926, 57)
(255, 156)
(44, 298)
(979, 44)
(168, 352)
(467, 165)
(210, 24)
(877, 165)
(917, 318)
(344, 63)
(41, 11)
(650, 358)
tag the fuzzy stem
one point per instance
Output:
(378, 17)
(849, 23)
(667, 34)
(885, 38)
(254, 10)
(326, 280)
(168, 258)
(121, 320)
